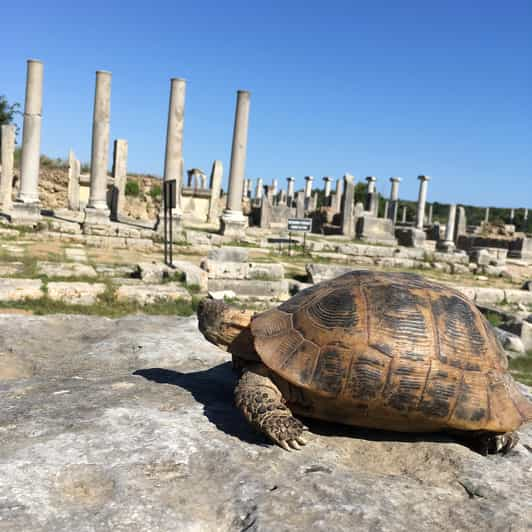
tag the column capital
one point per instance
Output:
(423, 177)
(371, 179)
(309, 178)
(349, 178)
(290, 178)
(395, 179)
(327, 178)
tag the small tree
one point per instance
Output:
(7, 112)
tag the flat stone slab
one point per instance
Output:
(11, 268)
(228, 254)
(273, 289)
(76, 254)
(130, 425)
(75, 293)
(323, 272)
(15, 251)
(20, 289)
(152, 293)
(65, 269)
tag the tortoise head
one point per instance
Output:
(223, 325)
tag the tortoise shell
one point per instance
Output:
(391, 350)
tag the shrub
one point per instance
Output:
(132, 188)
(156, 191)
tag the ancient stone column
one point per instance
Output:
(403, 217)
(394, 198)
(461, 223)
(327, 190)
(290, 190)
(431, 211)
(348, 219)
(74, 169)
(245, 189)
(422, 199)
(371, 198)
(338, 195)
(275, 185)
(173, 161)
(233, 220)
(525, 215)
(249, 186)
(120, 174)
(7, 161)
(487, 215)
(216, 188)
(308, 186)
(448, 244)
(31, 134)
(300, 204)
(97, 211)
(512, 215)
(259, 188)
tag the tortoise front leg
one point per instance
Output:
(262, 404)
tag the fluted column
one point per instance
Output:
(422, 200)
(100, 142)
(31, 134)
(7, 161)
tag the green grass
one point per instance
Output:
(132, 188)
(155, 191)
(494, 319)
(521, 368)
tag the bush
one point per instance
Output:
(156, 191)
(132, 189)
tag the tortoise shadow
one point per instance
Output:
(213, 388)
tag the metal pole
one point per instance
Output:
(171, 264)
(165, 218)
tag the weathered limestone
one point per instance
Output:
(7, 163)
(512, 215)
(20, 289)
(337, 204)
(348, 218)
(487, 215)
(525, 215)
(120, 177)
(375, 230)
(461, 223)
(228, 254)
(31, 135)
(300, 204)
(75, 293)
(65, 269)
(308, 186)
(152, 293)
(324, 272)
(249, 188)
(403, 214)
(259, 188)
(327, 190)
(274, 188)
(216, 188)
(26, 209)
(394, 198)
(74, 170)
(245, 189)
(386, 209)
(422, 199)
(431, 211)
(448, 244)
(290, 190)
(97, 212)
(371, 197)
(174, 167)
(234, 223)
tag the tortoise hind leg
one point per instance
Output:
(262, 404)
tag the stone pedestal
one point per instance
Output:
(96, 221)
(410, 237)
(375, 230)
(233, 225)
(25, 213)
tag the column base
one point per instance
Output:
(96, 221)
(25, 213)
(177, 227)
(410, 237)
(446, 246)
(233, 224)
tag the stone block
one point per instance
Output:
(251, 288)
(228, 254)
(511, 342)
(76, 254)
(366, 250)
(324, 272)
(151, 272)
(27, 214)
(451, 258)
(518, 296)
(225, 270)
(203, 239)
(222, 294)
(108, 270)
(410, 237)
(469, 291)
(489, 296)
(152, 293)
(194, 275)
(265, 271)
(75, 293)
(65, 269)
(20, 289)
(376, 230)
(459, 269)
(11, 268)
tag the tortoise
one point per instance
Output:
(390, 351)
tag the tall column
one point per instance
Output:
(290, 190)
(386, 209)
(371, 198)
(7, 161)
(233, 221)
(97, 212)
(73, 181)
(120, 173)
(487, 215)
(348, 218)
(431, 211)
(338, 195)
(512, 215)
(216, 188)
(174, 167)
(275, 185)
(394, 198)
(245, 189)
(259, 188)
(422, 200)
(525, 215)
(308, 186)
(403, 216)
(448, 244)
(327, 190)
(31, 134)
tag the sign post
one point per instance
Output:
(299, 225)
(169, 202)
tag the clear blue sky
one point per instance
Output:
(397, 87)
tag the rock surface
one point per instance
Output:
(128, 425)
